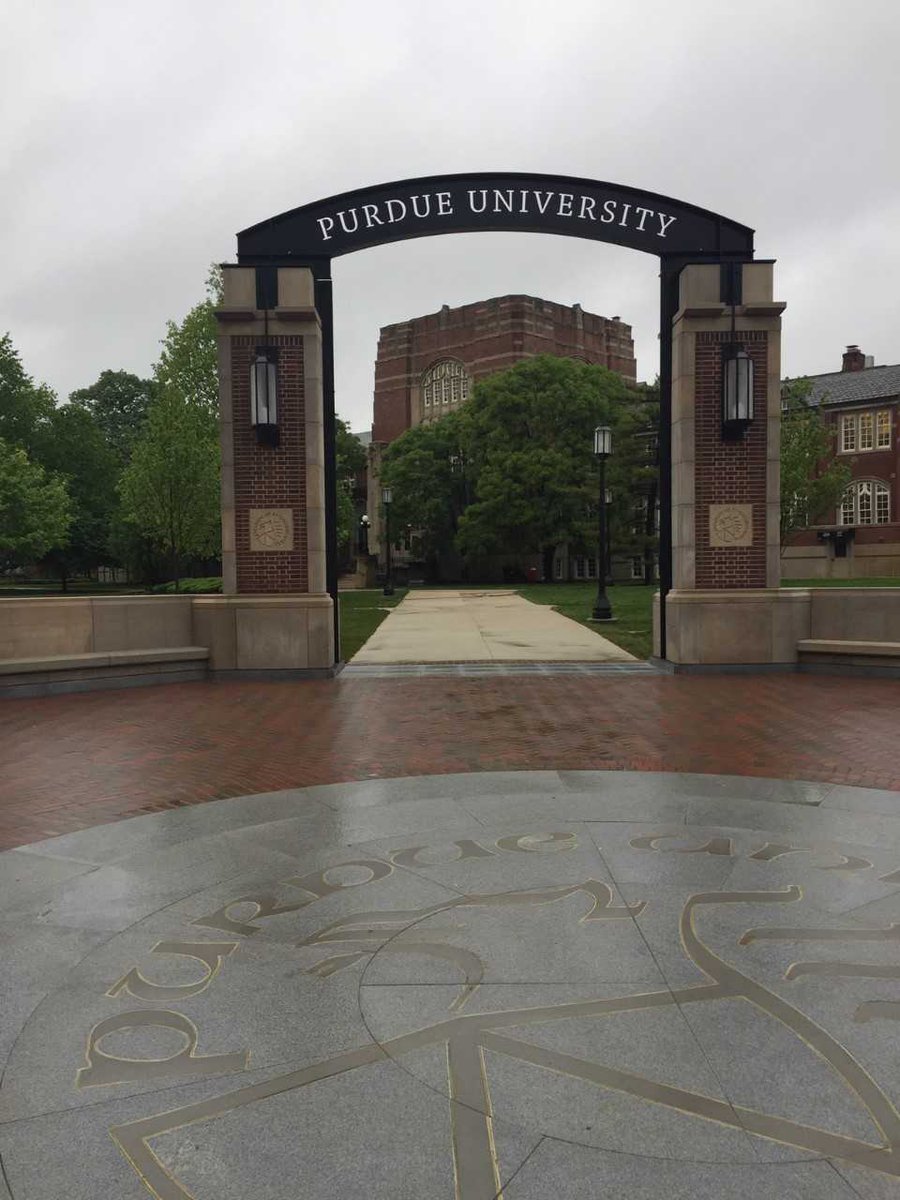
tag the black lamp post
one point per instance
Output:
(608, 566)
(602, 450)
(386, 498)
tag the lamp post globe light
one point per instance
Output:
(602, 451)
(387, 497)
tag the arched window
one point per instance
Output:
(866, 502)
(444, 384)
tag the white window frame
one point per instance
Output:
(866, 438)
(883, 429)
(863, 432)
(865, 498)
(444, 384)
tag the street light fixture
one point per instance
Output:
(387, 497)
(602, 451)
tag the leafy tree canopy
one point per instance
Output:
(25, 406)
(188, 363)
(426, 468)
(812, 480)
(170, 489)
(77, 451)
(34, 507)
(118, 402)
(350, 455)
(529, 440)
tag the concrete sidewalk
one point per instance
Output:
(482, 626)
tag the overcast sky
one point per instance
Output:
(136, 139)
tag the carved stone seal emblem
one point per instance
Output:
(271, 529)
(730, 525)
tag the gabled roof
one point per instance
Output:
(855, 387)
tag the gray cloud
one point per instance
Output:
(138, 139)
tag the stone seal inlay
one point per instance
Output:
(730, 525)
(654, 981)
(271, 529)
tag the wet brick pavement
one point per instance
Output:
(70, 762)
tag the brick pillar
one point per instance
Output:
(275, 614)
(725, 606)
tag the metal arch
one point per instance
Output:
(506, 202)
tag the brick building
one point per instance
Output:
(427, 366)
(862, 538)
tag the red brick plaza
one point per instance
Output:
(70, 762)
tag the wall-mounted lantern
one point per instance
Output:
(264, 395)
(737, 390)
(737, 365)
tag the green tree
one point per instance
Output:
(25, 407)
(812, 480)
(118, 402)
(170, 489)
(188, 363)
(529, 435)
(77, 452)
(34, 507)
(634, 478)
(350, 458)
(428, 471)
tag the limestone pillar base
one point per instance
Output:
(291, 633)
(750, 626)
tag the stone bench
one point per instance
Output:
(107, 668)
(849, 653)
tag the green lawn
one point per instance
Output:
(631, 606)
(361, 614)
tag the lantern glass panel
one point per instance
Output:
(738, 388)
(263, 397)
(386, 495)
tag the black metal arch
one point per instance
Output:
(492, 202)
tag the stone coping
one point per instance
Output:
(551, 983)
(824, 646)
(109, 658)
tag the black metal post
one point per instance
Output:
(324, 307)
(609, 570)
(388, 582)
(602, 606)
(670, 269)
